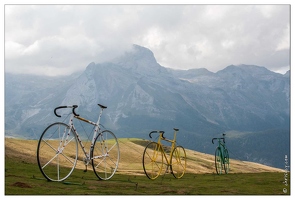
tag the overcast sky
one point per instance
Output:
(62, 39)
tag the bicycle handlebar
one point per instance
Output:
(218, 138)
(157, 132)
(73, 110)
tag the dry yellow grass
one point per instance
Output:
(131, 151)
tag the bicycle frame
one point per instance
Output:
(72, 127)
(96, 130)
(222, 148)
(172, 146)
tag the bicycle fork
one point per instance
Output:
(64, 140)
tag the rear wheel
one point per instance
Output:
(152, 160)
(226, 161)
(105, 155)
(178, 162)
(57, 152)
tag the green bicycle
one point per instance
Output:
(221, 156)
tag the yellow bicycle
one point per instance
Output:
(154, 153)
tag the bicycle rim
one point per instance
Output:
(152, 160)
(218, 161)
(226, 161)
(57, 152)
(178, 162)
(105, 155)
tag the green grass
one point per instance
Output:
(24, 178)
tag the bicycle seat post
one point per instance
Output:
(175, 131)
(102, 107)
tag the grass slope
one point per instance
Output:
(22, 176)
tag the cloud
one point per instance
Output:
(61, 39)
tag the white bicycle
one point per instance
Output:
(57, 150)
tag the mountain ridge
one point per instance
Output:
(142, 95)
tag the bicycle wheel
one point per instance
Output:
(226, 161)
(105, 155)
(178, 162)
(57, 152)
(152, 160)
(218, 161)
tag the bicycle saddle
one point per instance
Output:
(103, 107)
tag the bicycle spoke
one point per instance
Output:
(103, 159)
(99, 163)
(112, 147)
(45, 141)
(112, 160)
(66, 143)
(58, 169)
(49, 161)
(154, 162)
(67, 158)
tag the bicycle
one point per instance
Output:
(57, 150)
(153, 157)
(221, 156)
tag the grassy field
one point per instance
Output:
(22, 177)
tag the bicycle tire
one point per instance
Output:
(105, 155)
(178, 162)
(152, 160)
(226, 161)
(55, 152)
(218, 161)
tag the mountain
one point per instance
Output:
(142, 96)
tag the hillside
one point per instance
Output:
(131, 150)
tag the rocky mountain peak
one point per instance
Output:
(141, 60)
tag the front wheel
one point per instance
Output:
(218, 161)
(152, 160)
(105, 155)
(178, 162)
(57, 152)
